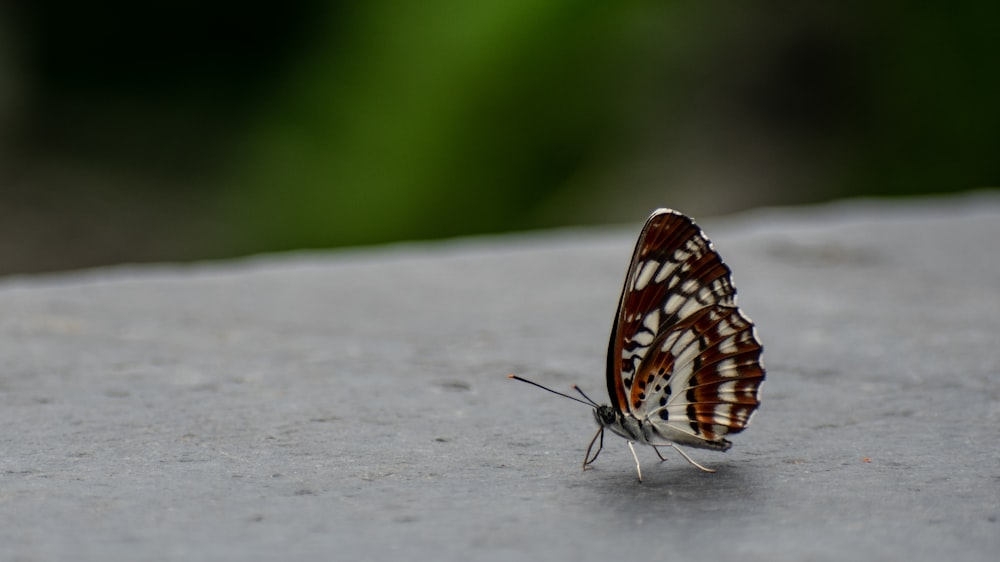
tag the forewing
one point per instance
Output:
(674, 272)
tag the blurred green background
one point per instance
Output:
(187, 130)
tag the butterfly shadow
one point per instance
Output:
(669, 488)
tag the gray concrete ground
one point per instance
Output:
(355, 405)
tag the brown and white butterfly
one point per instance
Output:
(684, 363)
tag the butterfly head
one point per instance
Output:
(605, 415)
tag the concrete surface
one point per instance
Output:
(354, 404)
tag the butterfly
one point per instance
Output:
(684, 363)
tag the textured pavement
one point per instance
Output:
(355, 405)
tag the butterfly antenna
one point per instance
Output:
(592, 403)
(574, 398)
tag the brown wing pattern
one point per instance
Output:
(712, 389)
(681, 353)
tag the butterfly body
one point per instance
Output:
(648, 431)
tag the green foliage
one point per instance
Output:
(227, 128)
(432, 121)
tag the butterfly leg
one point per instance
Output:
(690, 460)
(662, 458)
(638, 469)
(587, 459)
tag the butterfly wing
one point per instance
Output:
(682, 355)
